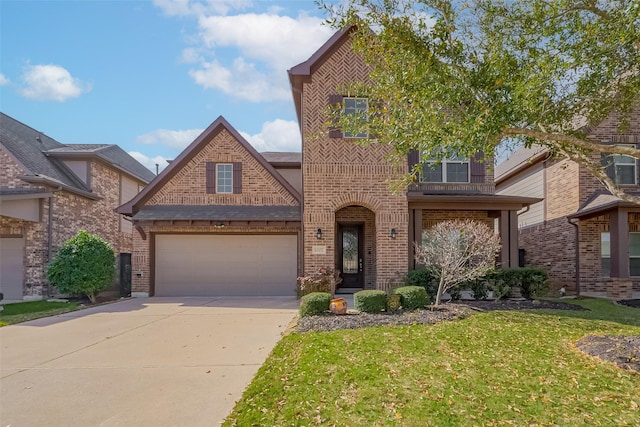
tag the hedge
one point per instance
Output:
(370, 301)
(315, 303)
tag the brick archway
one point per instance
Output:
(356, 199)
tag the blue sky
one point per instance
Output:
(151, 75)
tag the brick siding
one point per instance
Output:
(70, 214)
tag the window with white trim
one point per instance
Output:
(605, 254)
(224, 178)
(622, 169)
(355, 106)
(453, 169)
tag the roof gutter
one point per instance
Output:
(577, 254)
(41, 180)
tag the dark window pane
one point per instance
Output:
(634, 244)
(457, 172)
(605, 267)
(634, 266)
(432, 173)
(625, 174)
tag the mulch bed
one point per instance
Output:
(622, 350)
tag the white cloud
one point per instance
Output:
(280, 42)
(4, 80)
(171, 138)
(242, 81)
(150, 162)
(278, 135)
(51, 83)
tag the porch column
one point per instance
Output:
(416, 236)
(508, 224)
(619, 234)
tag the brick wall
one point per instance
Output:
(337, 173)
(70, 214)
(188, 186)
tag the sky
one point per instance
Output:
(151, 75)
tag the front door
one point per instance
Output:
(350, 255)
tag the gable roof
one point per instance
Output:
(279, 159)
(301, 73)
(519, 160)
(135, 204)
(41, 156)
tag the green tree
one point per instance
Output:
(458, 77)
(84, 265)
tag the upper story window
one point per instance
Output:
(453, 169)
(620, 168)
(355, 107)
(223, 178)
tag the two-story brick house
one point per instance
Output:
(222, 219)
(50, 190)
(587, 239)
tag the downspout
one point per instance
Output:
(577, 255)
(50, 234)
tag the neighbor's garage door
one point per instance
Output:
(11, 267)
(225, 265)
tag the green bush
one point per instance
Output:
(479, 288)
(370, 301)
(497, 282)
(84, 265)
(315, 303)
(455, 293)
(425, 278)
(412, 297)
(534, 282)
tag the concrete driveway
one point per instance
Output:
(139, 362)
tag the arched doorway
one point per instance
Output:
(355, 255)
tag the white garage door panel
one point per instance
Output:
(205, 265)
(11, 267)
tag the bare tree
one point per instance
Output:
(458, 251)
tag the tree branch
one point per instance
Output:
(572, 140)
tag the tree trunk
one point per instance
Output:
(440, 292)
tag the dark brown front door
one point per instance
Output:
(350, 255)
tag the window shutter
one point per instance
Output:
(606, 160)
(477, 168)
(211, 177)
(237, 178)
(334, 131)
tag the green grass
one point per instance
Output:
(494, 368)
(23, 311)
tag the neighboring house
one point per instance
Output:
(576, 208)
(222, 219)
(48, 191)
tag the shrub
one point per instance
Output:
(479, 288)
(425, 278)
(315, 303)
(455, 293)
(497, 282)
(84, 265)
(370, 301)
(412, 297)
(534, 282)
(323, 280)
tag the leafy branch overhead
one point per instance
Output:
(471, 76)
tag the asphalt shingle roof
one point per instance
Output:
(40, 153)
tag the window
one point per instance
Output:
(224, 178)
(620, 168)
(605, 254)
(634, 254)
(454, 169)
(356, 107)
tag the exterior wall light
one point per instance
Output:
(394, 233)
(219, 225)
(319, 234)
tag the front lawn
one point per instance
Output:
(494, 368)
(23, 311)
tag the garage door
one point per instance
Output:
(225, 265)
(11, 267)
